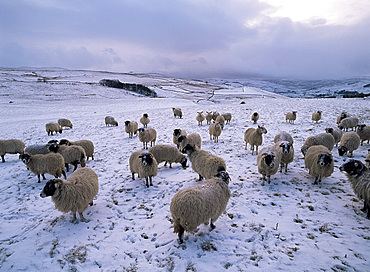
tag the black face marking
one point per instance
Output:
(324, 159)
(25, 158)
(342, 150)
(224, 176)
(140, 130)
(176, 132)
(353, 167)
(285, 147)
(145, 115)
(146, 159)
(361, 127)
(269, 160)
(187, 148)
(50, 188)
(329, 130)
(54, 147)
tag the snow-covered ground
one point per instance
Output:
(288, 225)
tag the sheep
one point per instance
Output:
(220, 119)
(193, 139)
(316, 116)
(109, 121)
(214, 131)
(227, 117)
(342, 116)
(176, 134)
(286, 150)
(253, 136)
(359, 177)
(349, 142)
(12, 146)
(214, 115)
(147, 135)
(199, 204)
(177, 112)
(204, 163)
(200, 117)
(349, 122)
(255, 117)
(72, 154)
(87, 145)
(283, 136)
(268, 161)
(367, 159)
(168, 154)
(364, 132)
(53, 127)
(291, 117)
(64, 122)
(131, 128)
(336, 132)
(39, 148)
(145, 120)
(74, 194)
(325, 139)
(40, 164)
(319, 162)
(145, 165)
(209, 116)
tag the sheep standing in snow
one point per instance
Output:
(40, 164)
(209, 117)
(336, 132)
(227, 116)
(319, 162)
(168, 154)
(349, 142)
(109, 121)
(200, 117)
(53, 127)
(349, 122)
(291, 117)
(199, 204)
(12, 146)
(253, 136)
(145, 120)
(342, 116)
(364, 132)
(177, 112)
(131, 128)
(316, 116)
(74, 194)
(221, 120)
(286, 150)
(215, 114)
(65, 122)
(325, 139)
(147, 135)
(268, 161)
(255, 116)
(176, 134)
(193, 139)
(39, 148)
(214, 131)
(145, 165)
(283, 136)
(72, 154)
(87, 145)
(359, 177)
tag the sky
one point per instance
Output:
(302, 39)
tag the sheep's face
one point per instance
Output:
(145, 115)
(54, 147)
(141, 130)
(183, 162)
(324, 159)
(181, 138)
(361, 127)
(285, 147)
(176, 132)
(262, 129)
(329, 130)
(224, 176)
(353, 167)
(342, 150)
(25, 158)
(50, 187)
(62, 142)
(304, 150)
(146, 159)
(269, 160)
(188, 149)
(127, 123)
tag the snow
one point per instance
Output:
(289, 225)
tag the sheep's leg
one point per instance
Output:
(212, 226)
(43, 176)
(2, 158)
(252, 148)
(200, 177)
(151, 181)
(38, 176)
(133, 176)
(67, 167)
(82, 218)
(286, 167)
(75, 165)
(281, 167)
(74, 218)
(181, 234)
(170, 165)
(316, 179)
(165, 163)
(64, 174)
(268, 179)
(146, 182)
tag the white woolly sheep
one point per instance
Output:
(325, 139)
(145, 120)
(349, 142)
(227, 117)
(359, 177)
(12, 146)
(214, 115)
(319, 162)
(145, 165)
(74, 194)
(87, 145)
(193, 139)
(200, 117)
(199, 204)
(336, 132)
(204, 163)
(176, 134)
(316, 116)
(209, 116)
(255, 116)
(53, 127)
(283, 136)
(221, 120)
(147, 135)
(342, 116)
(72, 154)
(364, 132)
(367, 159)
(65, 123)
(286, 150)
(131, 128)
(253, 136)
(268, 161)
(109, 121)
(214, 130)
(177, 112)
(291, 117)
(41, 164)
(349, 122)
(168, 154)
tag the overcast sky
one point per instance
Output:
(307, 39)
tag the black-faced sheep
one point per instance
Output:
(53, 127)
(147, 135)
(349, 142)
(336, 132)
(193, 139)
(199, 204)
(176, 134)
(325, 139)
(74, 194)
(349, 122)
(72, 154)
(316, 116)
(291, 117)
(109, 121)
(255, 116)
(177, 112)
(214, 130)
(286, 150)
(145, 165)
(145, 120)
(65, 123)
(12, 146)
(319, 162)
(283, 136)
(39, 148)
(268, 161)
(168, 154)
(131, 128)
(253, 136)
(87, 145)
(342, 116)
(200, 117)
(364, 132)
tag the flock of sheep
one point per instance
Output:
(206, 201)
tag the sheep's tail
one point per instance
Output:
(177, 226)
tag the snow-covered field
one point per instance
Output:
(288, 225)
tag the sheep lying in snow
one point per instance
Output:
(168, 154)
(147, 135)
(349, 142)
(193, 139)
(286, 150)
(319, 162)
(12, 146)
(53, 127)
(177, 112)
(253, 136)
(359, 177)
(325, 139)
(145, 165)
(255, 117)
(283, 136)
(74, 194)
(65, 123)
(109, 121)
(87, 145)
(316, 116)
(364, 132)
(291, 117)
(336, 132)
(268, 161)
(209, 117)
(131, 128)
(349, 122)
(145, 120)
(214, 131)
(227, 117)
(40, 164)
(72, 154)
(196, 205)
(176, 134)
(200, 117)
